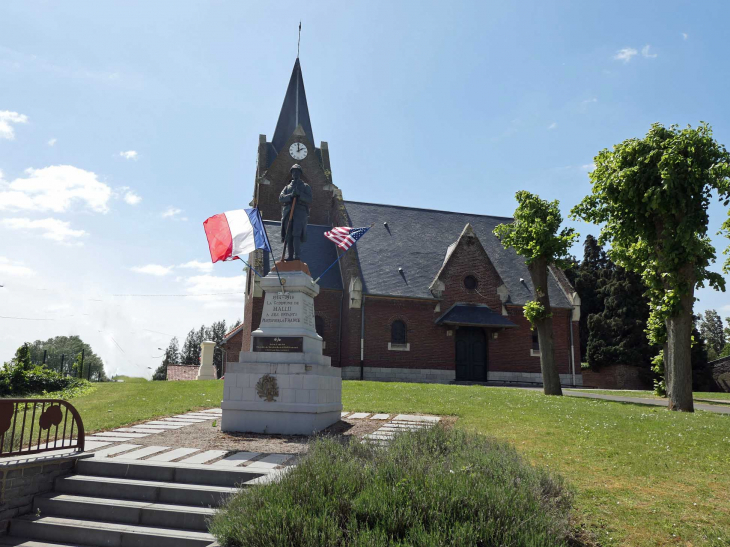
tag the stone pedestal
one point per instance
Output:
(283, 384)
(206, 370)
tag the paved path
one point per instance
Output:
(644, 401)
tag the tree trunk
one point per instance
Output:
(550, 377)
(678, 356)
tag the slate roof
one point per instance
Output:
(417, 241)
(318, 252)
(474, 314)
(294, 111)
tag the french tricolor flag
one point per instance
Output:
(235, 233)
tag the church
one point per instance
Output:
(424, 296)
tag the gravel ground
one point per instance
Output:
(205, 436)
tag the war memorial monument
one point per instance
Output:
(284, 384)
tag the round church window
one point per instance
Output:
(470, 283)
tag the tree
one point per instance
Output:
(63, 356)
(617, 333)
(172, 357)
(191, 349)
(652, 195)
(712, 331)
(588, 278)
(535, 234)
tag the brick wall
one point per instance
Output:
(618, 377)
(22, 481)
(182, 372)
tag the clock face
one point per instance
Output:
(298, 151)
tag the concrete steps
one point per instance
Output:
(112, 503)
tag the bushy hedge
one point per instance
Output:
(429, 488)
(20, 377)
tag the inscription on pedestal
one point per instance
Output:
(282, 310)
(283, 344)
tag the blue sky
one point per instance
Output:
(123, 125)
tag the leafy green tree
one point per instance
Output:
(651, 195)
(172, 357)
(536, 235)
(63, 354)
(713, 332)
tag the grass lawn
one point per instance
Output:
(644, 475)
(699, 396)
(114, 404)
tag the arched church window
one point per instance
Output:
(398, 332)
(319, 325)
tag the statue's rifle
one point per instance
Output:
(288, 226)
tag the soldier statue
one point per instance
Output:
(294, 233)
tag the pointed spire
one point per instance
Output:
(294, 111)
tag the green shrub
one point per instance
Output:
(21, 377)
(429, 488)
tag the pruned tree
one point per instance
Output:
(536, 235)
(651, 195)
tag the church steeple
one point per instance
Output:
(294, 111)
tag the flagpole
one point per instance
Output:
(338, 258)
(249, 265)
(271, 251)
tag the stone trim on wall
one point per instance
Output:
(530, 378)
(395, 374)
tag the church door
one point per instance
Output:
(471, 354)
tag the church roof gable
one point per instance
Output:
(415, 239)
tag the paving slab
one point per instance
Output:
(139, 430)
(168, 425)
(380, 416)
(113, 434)
(236, 459)
(185, 421)
(146, 451)
(94, 445)
(205, 456)
(359, 415)
(413, 418)
(173, 454)
(272, 461)
(114, 440)
(106, 452)
(343, 414)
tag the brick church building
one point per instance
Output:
(424, 296)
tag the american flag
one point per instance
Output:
(345, 237)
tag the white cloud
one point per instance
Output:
(53, 141)
(625, 54)
(129, 155)
(217, 291)
(685, 35)
(153, 269)
(6, 118)
(54, 189)
(52, 228)
(131, 198)
(14, 268)
(173, 212)
(553, 125)
(195, 264)
(645, 52)
(589, 101)
(588, 167)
